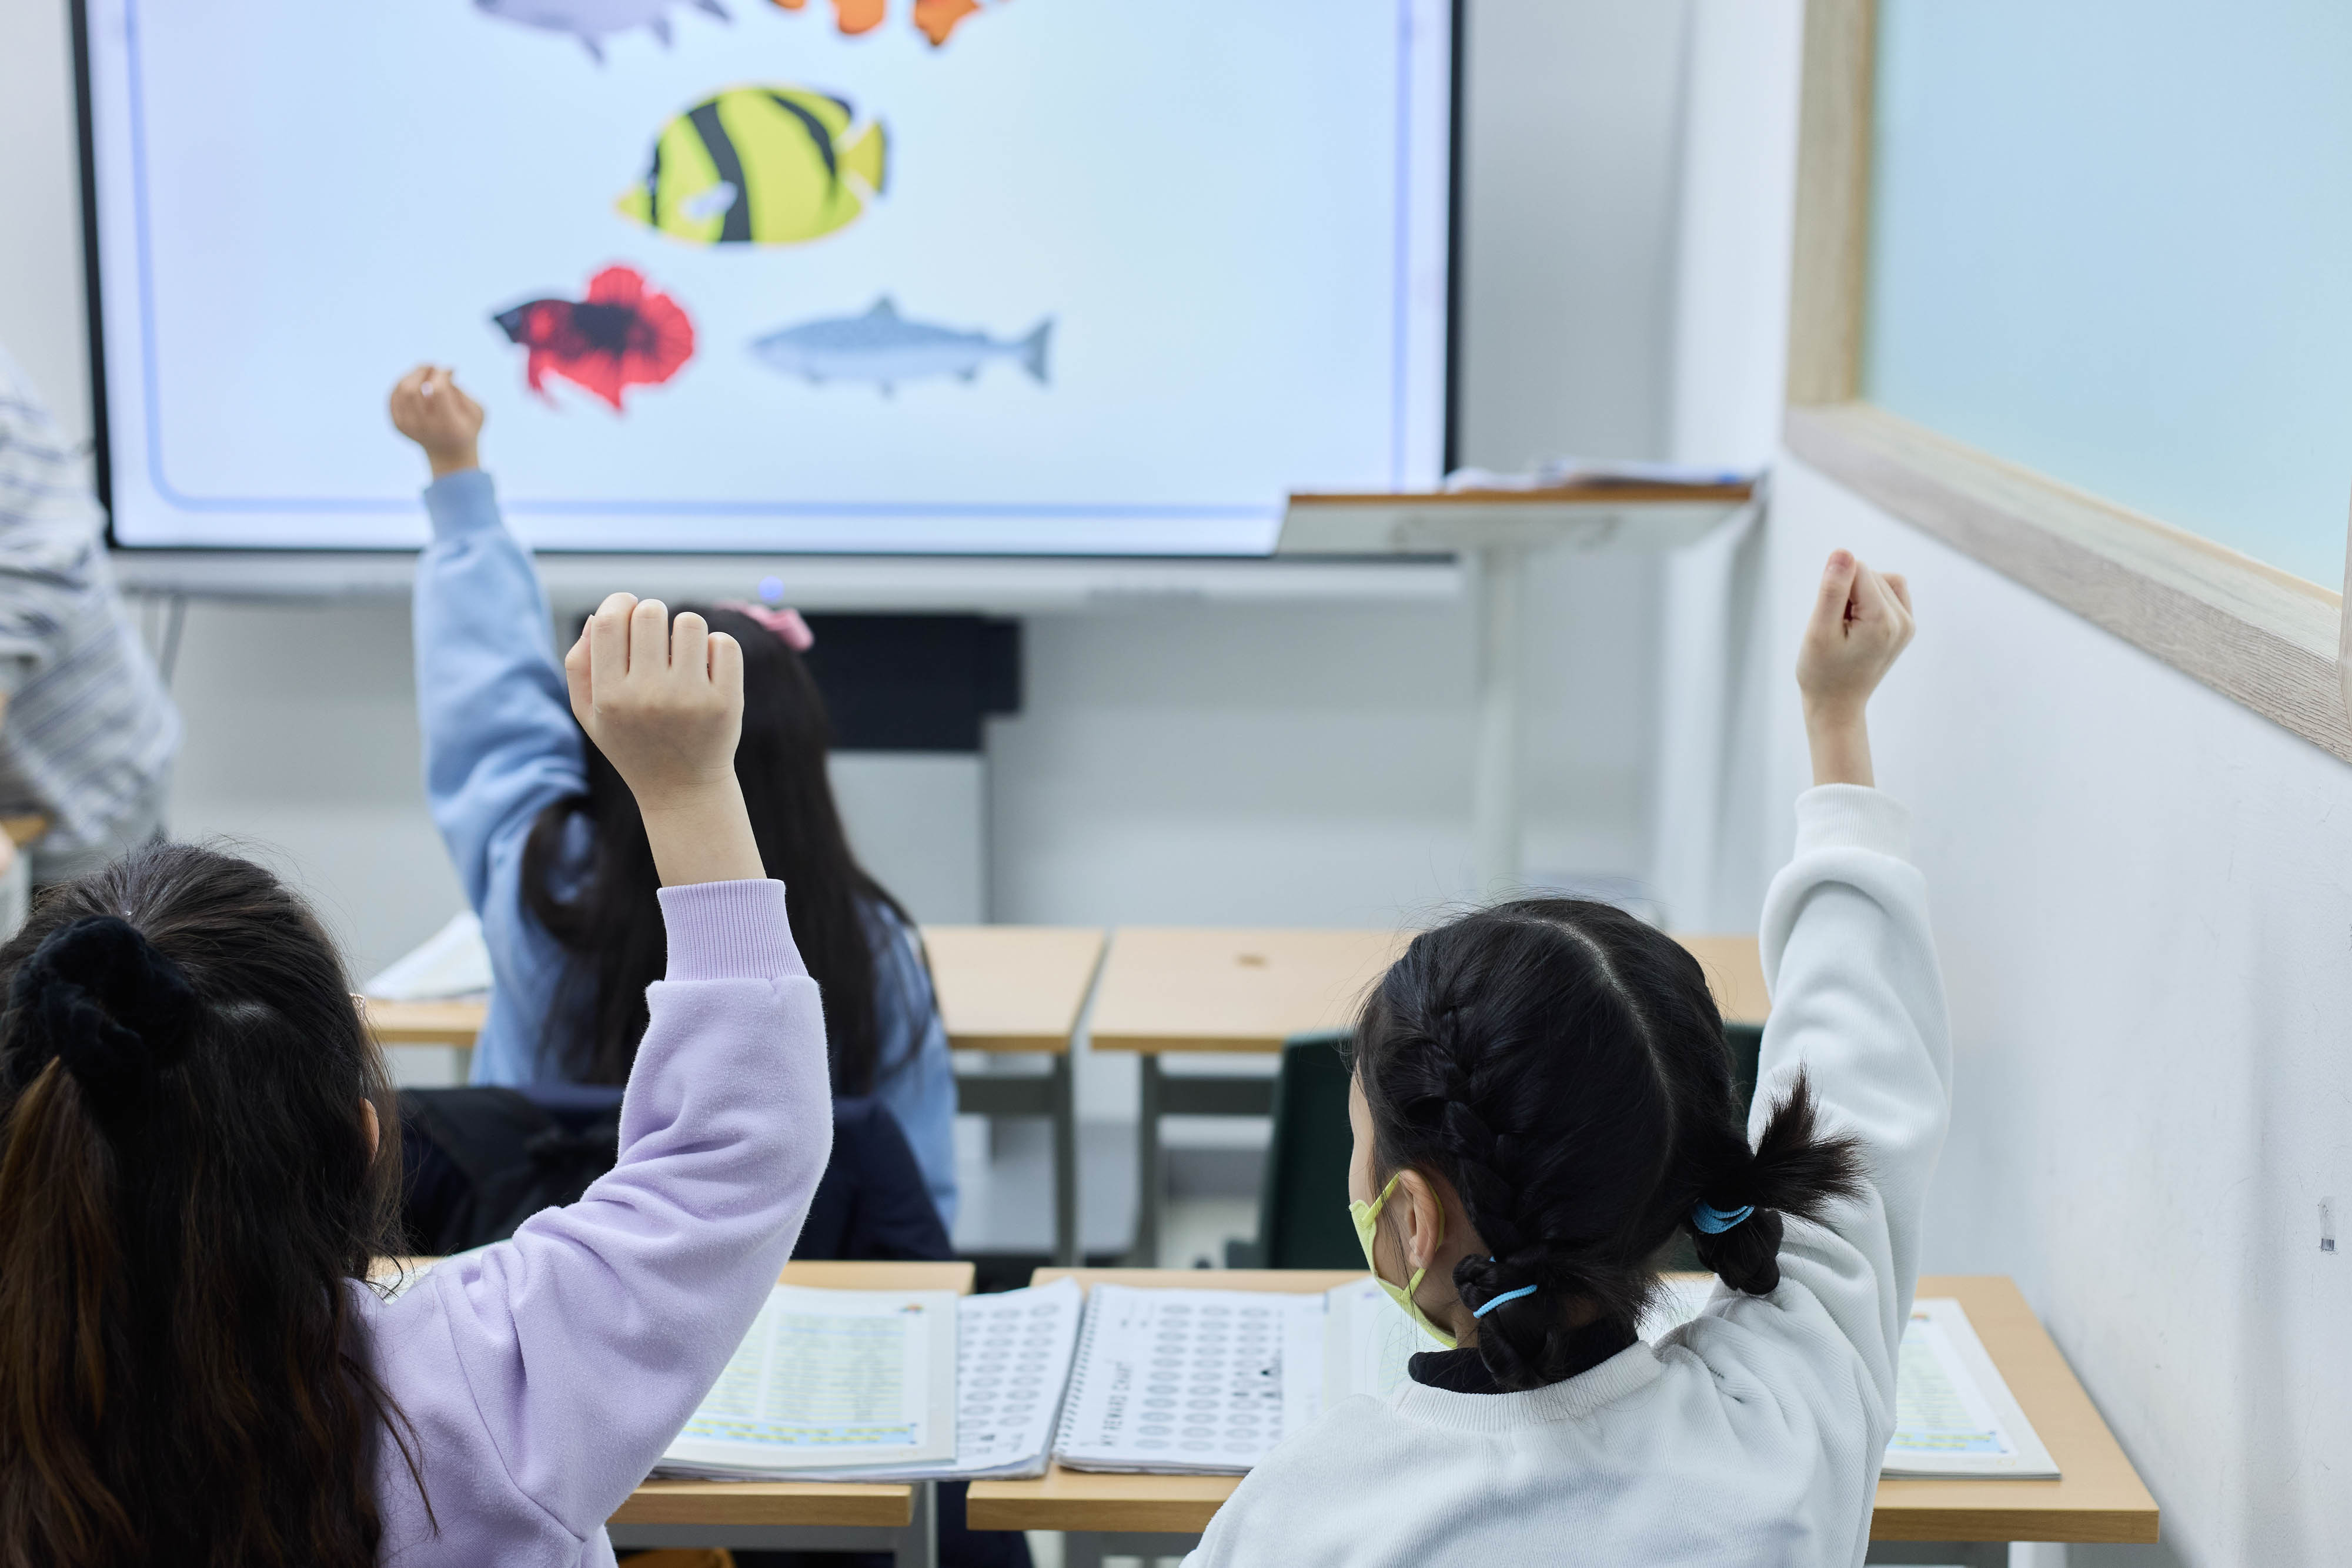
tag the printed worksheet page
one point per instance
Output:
(828, 1378)
(1189, 1382)
(1013, 1363)
(1953, 1415)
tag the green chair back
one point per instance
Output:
(1302, 1219)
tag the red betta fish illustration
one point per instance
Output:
(623, 335)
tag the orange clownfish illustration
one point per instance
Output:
(935, 19)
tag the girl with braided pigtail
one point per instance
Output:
(1542, 1099)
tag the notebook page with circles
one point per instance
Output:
(1187, 1381)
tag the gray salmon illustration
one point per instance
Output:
(885, 347)
(592, 21)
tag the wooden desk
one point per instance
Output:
(806, 1516)
(1012, 987)
(426, 1023)
(1017, 988)
(2100, 1498)
(1177, 990)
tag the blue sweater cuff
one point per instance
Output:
(462, 503)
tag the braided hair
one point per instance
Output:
(1562, 1064)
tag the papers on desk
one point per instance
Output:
(1191, 1381)
(1185, 1382)
(881, 1385)
(1572, 473)
(1012, 1365)
(1953, 1415)
(453, 962)
(827, 1379)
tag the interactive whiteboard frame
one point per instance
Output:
(278, 571)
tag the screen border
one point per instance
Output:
(94, 321)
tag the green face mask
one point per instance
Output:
(1366, 1215)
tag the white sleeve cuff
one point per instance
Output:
(1848, 816)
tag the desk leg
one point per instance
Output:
(1066, 1245)
(1146, 1252)
(917, 1546)
(1495, 763)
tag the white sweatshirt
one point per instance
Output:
(1752, 1436)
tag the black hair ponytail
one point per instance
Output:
(1562, 1064)
(1792, 1169)
(188, 1203)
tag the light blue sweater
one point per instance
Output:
(501, 746)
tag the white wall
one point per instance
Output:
(2143, 899)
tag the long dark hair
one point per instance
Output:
(610, 924)
(1563, 1066)
(186, 1196)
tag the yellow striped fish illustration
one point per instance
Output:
(760, 165)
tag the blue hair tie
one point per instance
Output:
(1498, 1301)
(1715, 1221)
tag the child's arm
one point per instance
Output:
(500, 743)
(578, 1349)
(1857, 1000)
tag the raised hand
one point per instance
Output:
(664, 703)
(430, 409)
(1860, 625)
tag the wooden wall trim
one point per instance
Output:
(2259, 635)
(1832, 217)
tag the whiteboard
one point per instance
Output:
(2108, 244)
(1081, 278)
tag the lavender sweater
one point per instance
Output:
(544, 1375)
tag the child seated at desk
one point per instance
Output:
(195, 1174)
(553, 851)
(1541, 1100)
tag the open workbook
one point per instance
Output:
(887, 1385)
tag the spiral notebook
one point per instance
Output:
(1191, 1381)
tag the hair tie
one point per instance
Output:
(1498, 1301)
(99, 997)
(1714, 1221)
(786, 624)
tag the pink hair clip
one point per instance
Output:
(785, 623)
